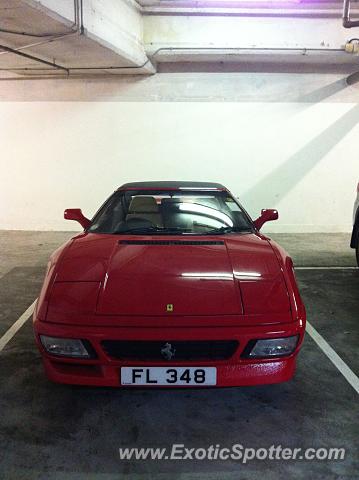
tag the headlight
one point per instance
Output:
(66, 347)
(271, 347)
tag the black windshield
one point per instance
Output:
(170, 212)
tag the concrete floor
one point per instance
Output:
(50, 431)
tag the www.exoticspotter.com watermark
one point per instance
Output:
(236, 452)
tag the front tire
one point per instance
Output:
(357, 253)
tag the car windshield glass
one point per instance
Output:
(170, 212)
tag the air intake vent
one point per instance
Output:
(146, 351)
(170, 242)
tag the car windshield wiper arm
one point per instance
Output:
(140, 230)
(164, 230)
(137, 230)
(218, 231)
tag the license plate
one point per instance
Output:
(152, 376)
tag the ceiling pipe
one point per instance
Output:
(151, 58)
(347, 22)
(43, 42)
(300, 51)
(36, 59)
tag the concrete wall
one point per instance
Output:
(276, 140)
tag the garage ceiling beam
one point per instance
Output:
(115, 25)
(202, 38)
(278, 8)
(108, 37)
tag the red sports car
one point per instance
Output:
(170, 284)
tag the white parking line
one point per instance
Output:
(5, 339)
(343, 368)
(326, 268)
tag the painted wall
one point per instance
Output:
(299, 155)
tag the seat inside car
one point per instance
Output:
(147, 208)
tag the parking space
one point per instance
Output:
(71, 432)
(332, 303)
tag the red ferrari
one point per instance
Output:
(170, 284)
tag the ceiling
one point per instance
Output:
(177, 31)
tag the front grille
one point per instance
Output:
(171, 242)
(170, 350)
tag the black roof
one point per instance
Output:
(172, 185)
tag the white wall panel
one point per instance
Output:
(301, 158)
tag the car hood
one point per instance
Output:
(162, 276)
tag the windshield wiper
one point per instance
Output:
(218, 231)
(137, 230)
(144, 230)
(174, 230)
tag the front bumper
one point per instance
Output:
(105, 371)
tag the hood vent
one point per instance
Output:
(171, 242)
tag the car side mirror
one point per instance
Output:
(267, 215)
(76, 214)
